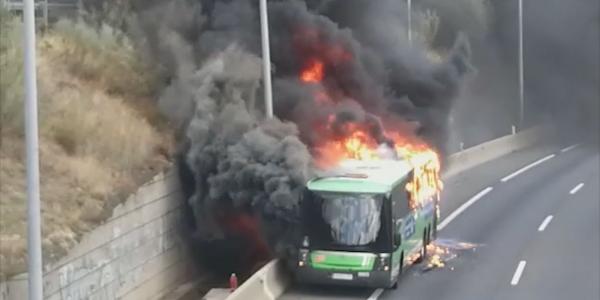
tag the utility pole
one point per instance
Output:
(521, 73)
(266, 59)
(34, 235)
(409, 21)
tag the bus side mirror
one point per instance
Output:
(398, 238)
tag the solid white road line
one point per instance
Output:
(376, 294)
(569, 148)
(518, 273)
(576, 189)
(531, 165)
(462, 208)
(545, 223)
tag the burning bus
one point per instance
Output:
(374, 206)
(365, 221)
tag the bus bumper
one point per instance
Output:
(373, 279)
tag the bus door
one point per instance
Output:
(405, 234)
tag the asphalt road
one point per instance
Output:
(536, 224)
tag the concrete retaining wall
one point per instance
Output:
(137, 254)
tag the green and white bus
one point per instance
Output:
(361, 226)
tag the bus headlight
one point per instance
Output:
(384, 262)
(302, 257)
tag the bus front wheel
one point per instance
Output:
(395, 284)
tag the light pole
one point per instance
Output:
(521, 75)
(266, 58)
(409, 11)
(34, 236)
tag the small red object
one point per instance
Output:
(233, 282)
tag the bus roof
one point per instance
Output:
(356, 176)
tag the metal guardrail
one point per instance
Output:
(18, 4)
(42, 7)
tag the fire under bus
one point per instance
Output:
(367, 221)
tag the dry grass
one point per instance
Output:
(99, 139)
(118, 136)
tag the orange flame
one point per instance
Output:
(313, 73)
(359, 144)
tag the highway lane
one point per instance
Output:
(505, 221)
(563, 262)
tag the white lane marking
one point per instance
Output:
(545, 223)
(529, 166)
(462, 208)
(569, 148)
(376, 294)
(518, 273)
(576, 189)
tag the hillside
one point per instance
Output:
(100, 136)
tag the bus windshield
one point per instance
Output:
(346, 221)
(354, 219)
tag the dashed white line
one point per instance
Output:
(376, 294)
(545, 223)
(462, 208)
(518, 273)
(569, 148)
(531, 165)
(576, 189)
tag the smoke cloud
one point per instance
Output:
(245, 168)
(561, 63)
(244, 175)
(248, 173)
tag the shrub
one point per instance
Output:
(102, 54)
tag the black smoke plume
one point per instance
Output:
(248, 172)
(561, 63)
